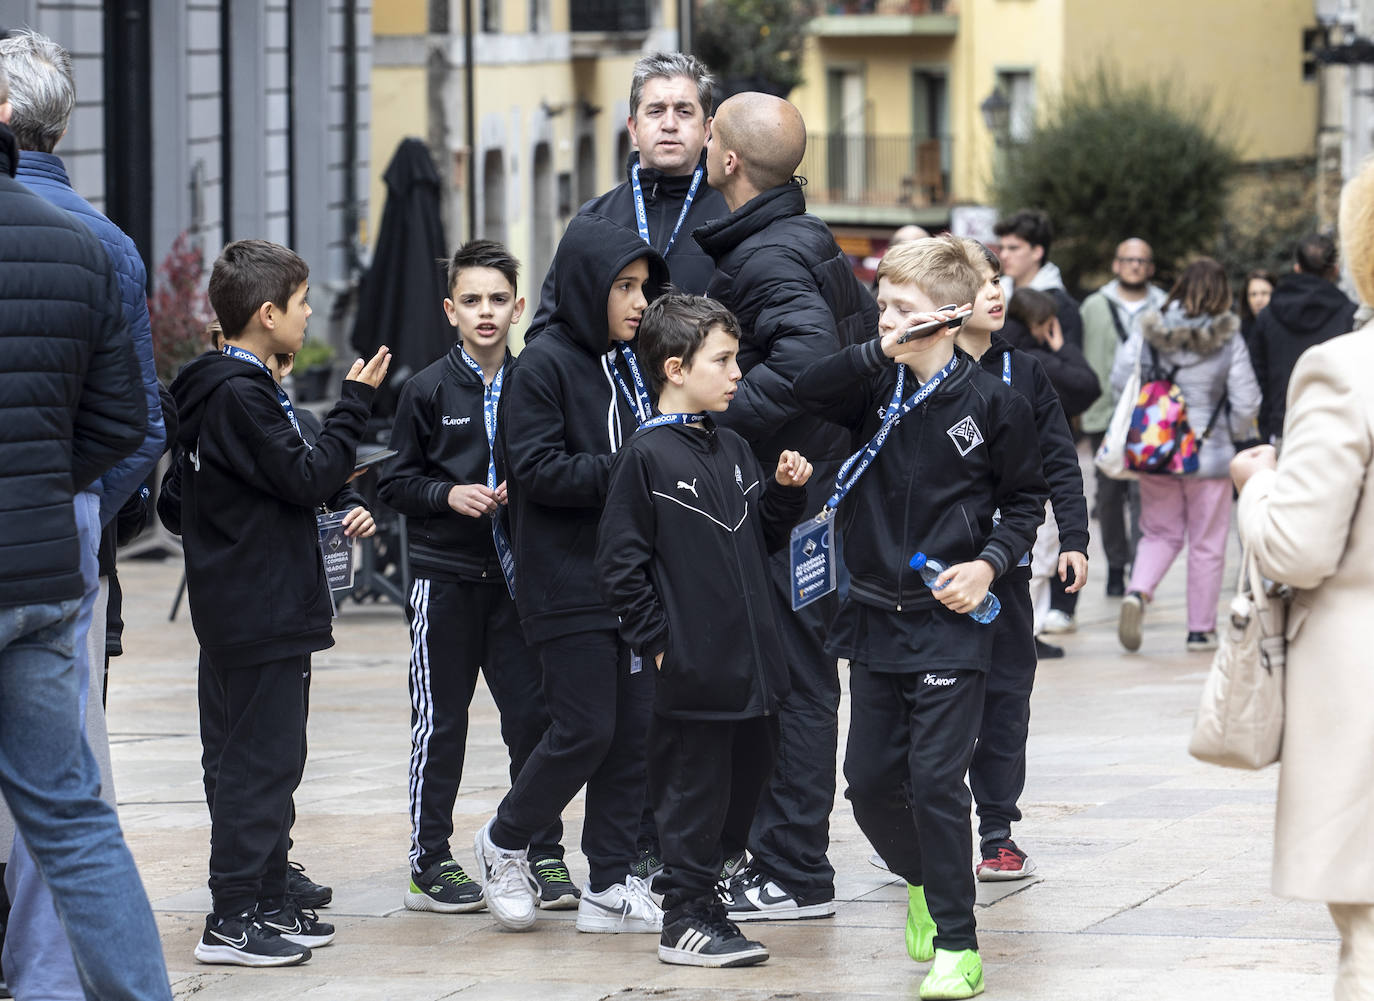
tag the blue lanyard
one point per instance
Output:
(896, 410)
(640, 401)
(664, 420)
(234, 351)
(1006, 367)
(642, 217)
(491, 396)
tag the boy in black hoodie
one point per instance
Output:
(575, 395)
(683, 555)
(949, 448)
(255, 579)
(461, 611)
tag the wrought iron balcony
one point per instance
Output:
(866, 172)
(610, 15)
(892, 18)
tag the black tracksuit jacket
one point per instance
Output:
(922, 494)
(250, 488)
(441, 442)
(1058, 456)
(682, 554)
(563, 417)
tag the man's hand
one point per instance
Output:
(358, 523)
(964, 585)
(1078, 562)
(502, 497)
(372, 373)
(1246, 464)
(472, 499)
(793, 469)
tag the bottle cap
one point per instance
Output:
(918, 561)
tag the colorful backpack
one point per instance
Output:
(1160, 439)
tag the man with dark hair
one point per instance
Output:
(1024, 248)
(665, 195)
(1305, 309)
(74, 413)
(780, 271)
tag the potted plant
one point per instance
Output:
(178, 308)
(314, 370)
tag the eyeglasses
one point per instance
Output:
(1144, 262)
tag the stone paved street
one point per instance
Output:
(1153, 880)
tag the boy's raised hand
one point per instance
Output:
(472, 499)
(358, 523)
(890, 344)
(961, 587)
(373, 372)
(793, 469)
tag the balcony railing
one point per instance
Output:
(891, 6)
(865, 169)
(610, 15)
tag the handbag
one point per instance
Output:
(1111, 456)
(1240, 718)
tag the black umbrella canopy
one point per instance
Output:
(401, 297)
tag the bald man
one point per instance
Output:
(908, 234)
(1110, 316)
(781, 272)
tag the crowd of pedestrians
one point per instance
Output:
(630, 531)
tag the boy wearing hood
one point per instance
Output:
(574, 397)
(461, 608)
(255, 579)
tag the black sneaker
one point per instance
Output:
(1116, 582)
(297, 924)
(755, 896)
(648, 865)
(707, 938)
(445, 889)
(306, 892)
(556, 889)
(1047, 651)
(243, 940)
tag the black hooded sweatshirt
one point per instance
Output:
(250, 488)
(1070, 375)
(1304, 310)
(563, 416)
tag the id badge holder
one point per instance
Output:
(505, 555)
(336, 549)
(812, 558)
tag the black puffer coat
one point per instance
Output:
(782, 274)
(71, 398)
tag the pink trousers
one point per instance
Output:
(1178, 508)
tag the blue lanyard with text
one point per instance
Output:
(642, 217)
(664, 420)
(234, 351)
(896, 410)
(640, 401)
(1006, 367)
(491, 396)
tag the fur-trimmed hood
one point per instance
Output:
(1202, 335)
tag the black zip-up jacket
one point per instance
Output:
(250, 488)
(1304, 310)
(1070, 375)
(689, 265)
(562, 416)
(968, 450)
(70, 389)
(1058, 457)
(682, 553)
(442, 442)
(779, 270)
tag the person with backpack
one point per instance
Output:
(1197, 393)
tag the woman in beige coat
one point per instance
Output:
(1309, 519)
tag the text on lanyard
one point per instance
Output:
(642, 217)
(234, 351)
(491, 396)
(640, 401)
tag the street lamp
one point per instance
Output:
(996, 111)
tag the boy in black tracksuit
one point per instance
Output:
(255, 578)
(997, 773)
(964, 450)
(683, 555)
(574, 397)
(461, 613)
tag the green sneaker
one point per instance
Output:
(732, 865)
(954, 975)
(556, 889)
(647, 865)
(920, 926)
(445, 889)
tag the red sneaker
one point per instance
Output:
(1003, 860)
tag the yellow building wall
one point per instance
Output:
(1243, 55)
(398, 111)
(400, 17)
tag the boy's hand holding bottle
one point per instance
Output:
(962, 587)
(793, 469)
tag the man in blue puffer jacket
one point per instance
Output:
(37, 958)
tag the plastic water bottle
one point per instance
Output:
(930, 570)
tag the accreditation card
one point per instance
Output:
(812, 557)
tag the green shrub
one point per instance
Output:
(1110, 159)
(757, 43)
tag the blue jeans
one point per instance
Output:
(51, 783)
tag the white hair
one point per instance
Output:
(42, 91)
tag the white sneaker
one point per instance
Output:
(1057, 621)
(627, 907)
(511, 893)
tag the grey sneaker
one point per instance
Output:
(1128, 628)
(444, 888)
(512, 896)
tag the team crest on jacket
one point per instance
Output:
(739, 478)
(965, 435)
